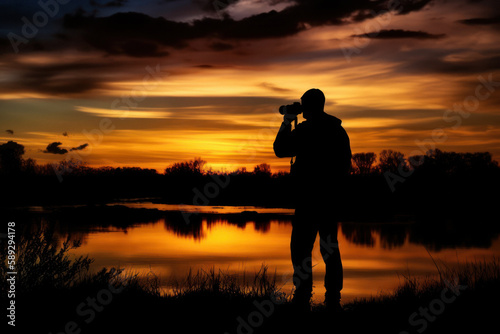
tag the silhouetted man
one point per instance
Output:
(322, 154)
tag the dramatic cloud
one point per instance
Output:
(79, 148)
(55, 149)
(57, 79)
(408, 6)
(425, 64)
(119, 33)
(140, 35)
(184, 78)
(399, 33)
(482, 21)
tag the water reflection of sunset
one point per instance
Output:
(368, 270)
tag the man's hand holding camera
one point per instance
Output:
(289, 118)
(290, 113)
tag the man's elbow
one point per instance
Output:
(279, 155)
(280, 152)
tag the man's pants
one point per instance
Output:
(306, 225)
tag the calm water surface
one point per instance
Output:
(375, 255)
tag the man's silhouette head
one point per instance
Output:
(313, 102)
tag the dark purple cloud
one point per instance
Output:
(79, 148)
(399, 33)
(482, 21)
(140, 35)
(55, 149)
(59, 79)
(408, 6)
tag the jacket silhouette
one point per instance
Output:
(322, 154)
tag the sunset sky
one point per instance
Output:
(152, 82)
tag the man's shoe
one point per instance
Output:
(335, 308)
(301, 303)
(332, 303)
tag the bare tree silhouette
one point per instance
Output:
(364, 162)
(187, 168)
(390, 161)
(262, 169)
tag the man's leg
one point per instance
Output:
(331, 255)
(301, 245)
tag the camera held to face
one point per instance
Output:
(292, 109)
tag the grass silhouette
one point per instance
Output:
(221, 283)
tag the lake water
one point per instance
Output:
(374, 255)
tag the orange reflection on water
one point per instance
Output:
(368, 270)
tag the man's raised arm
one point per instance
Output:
(285, 142)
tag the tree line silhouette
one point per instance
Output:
(448, 182)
